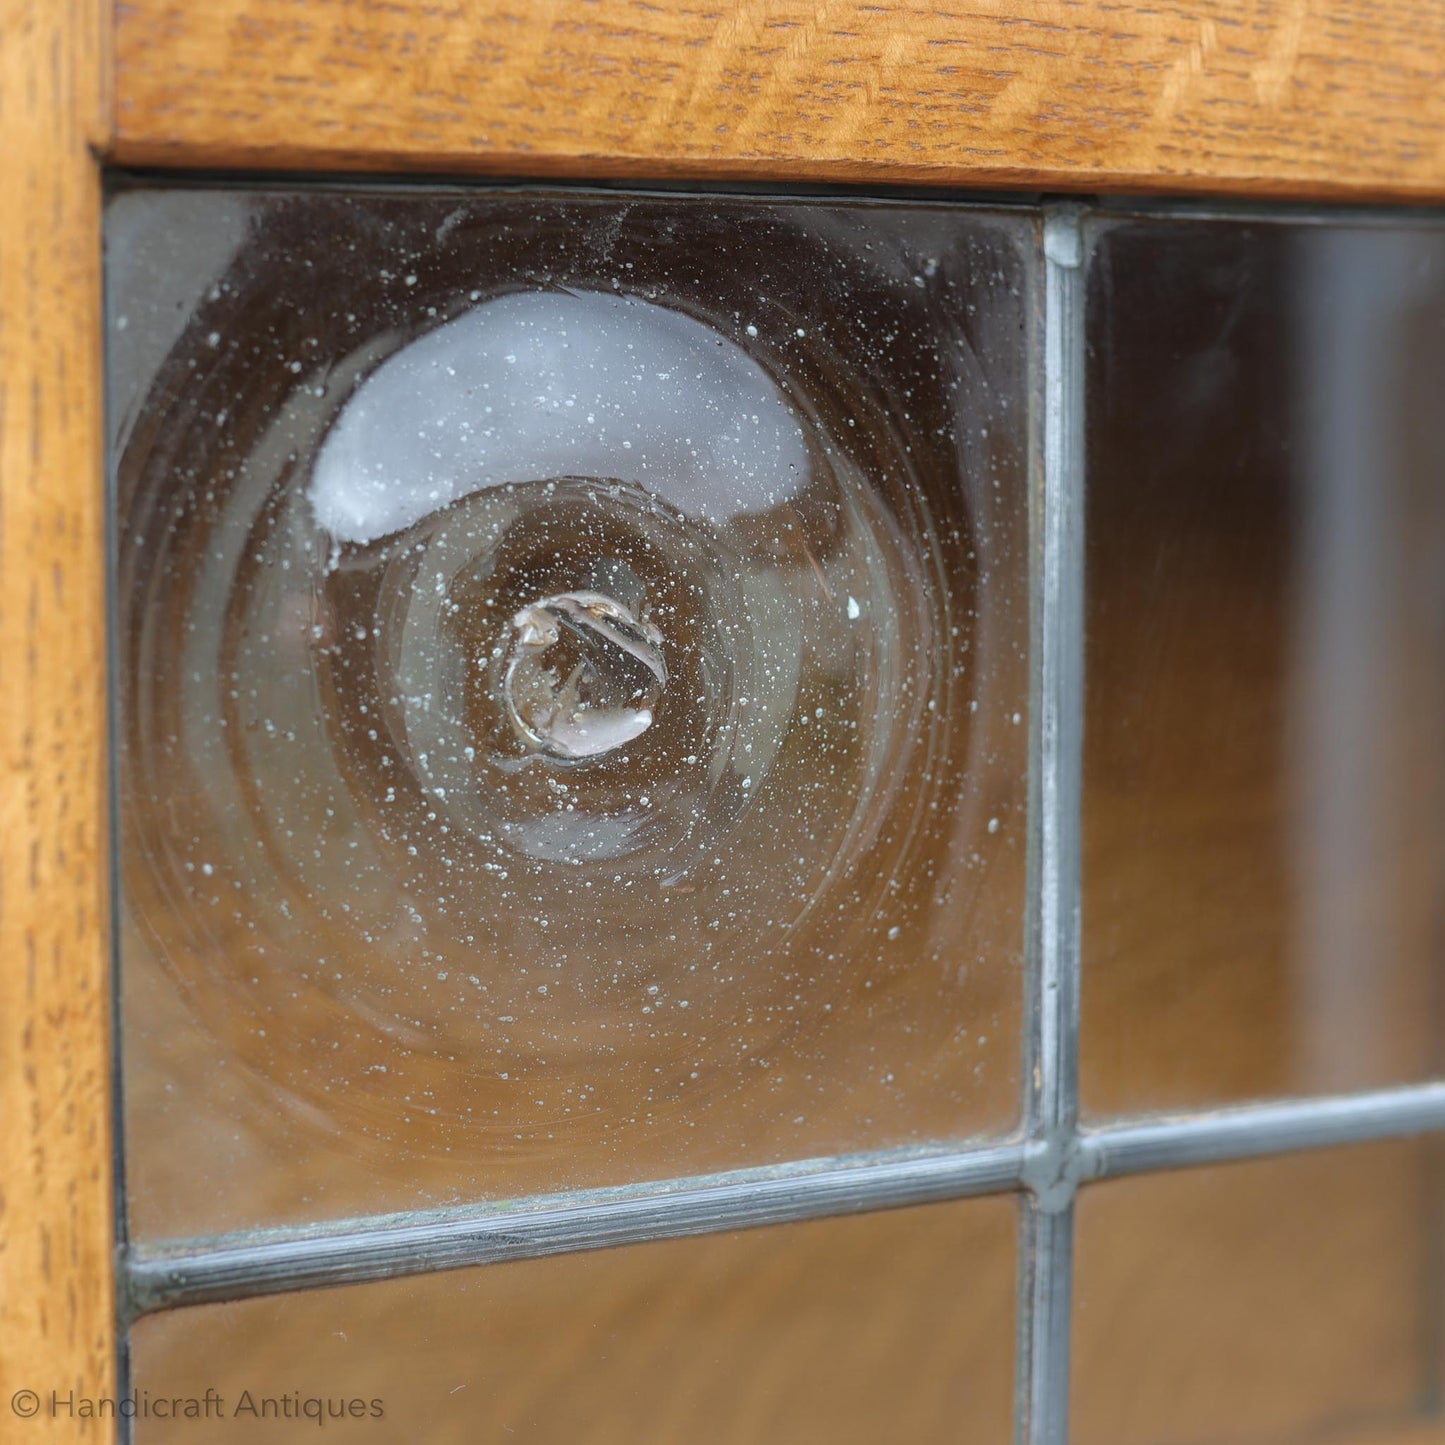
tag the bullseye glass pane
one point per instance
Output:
(572, 688)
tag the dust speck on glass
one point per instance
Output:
(627, 730)
(573, 689)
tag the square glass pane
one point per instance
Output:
(572, 716)
(881, 1327)
(1286, 1300)
(1264, 773)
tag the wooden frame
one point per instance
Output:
(1285, 97)
(1310, 98)
(57, 1329)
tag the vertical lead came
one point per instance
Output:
(1051, 1078)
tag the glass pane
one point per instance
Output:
(1294, 1299)
(573, 672)
(1264, 858)
(883, 1327)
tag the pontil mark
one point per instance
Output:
(584, 675)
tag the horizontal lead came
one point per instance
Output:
(1254, 1130)
(363, 1251)
(387, 1247)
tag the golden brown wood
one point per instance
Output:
(880, 1328)
(1270, 1302)
(1317, 97)
(1277, 1300)
(56, 1294)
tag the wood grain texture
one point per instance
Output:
(56, 1294)
(1276, 1302)
(1271, 1303)
(879, 1328)
(1287, 97)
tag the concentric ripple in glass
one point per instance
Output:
(572, 665)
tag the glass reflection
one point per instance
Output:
(545, 384)
(573, 692)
